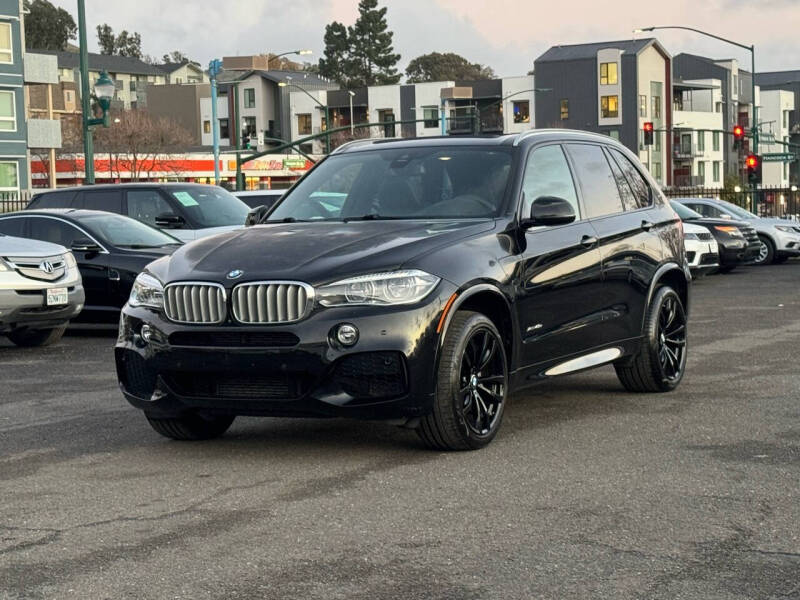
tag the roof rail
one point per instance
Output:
(352, 143)
(522, 135)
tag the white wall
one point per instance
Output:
(207, 139)
(300, 103)
(264, 109)
(704, 117)
(429, 95)
(774, 104)
(651, 67)
(384, 97)
(520, 88)
(609, 55)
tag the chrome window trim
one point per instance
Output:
(54, 218)
(310, 295)
(204, 283)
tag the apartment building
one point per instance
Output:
(776, 108)
(14, 175)
(611, 88)
(788, 81)
(698, 133)
(736, 102)
(186, 72)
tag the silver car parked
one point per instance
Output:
(780, 239)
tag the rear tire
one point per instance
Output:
(28, 338)
(191, 427)
(660, 364)
(471, 386)
(766, 254)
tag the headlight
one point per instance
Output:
(786, 228)
(730, 230)
(690, 236)
(398, 287)
(69, 259)
(147, 291)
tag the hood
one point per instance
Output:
(316, 253)
(26, 248)
(772, 221)
(706, 222)
(694, 228)
(201, 233)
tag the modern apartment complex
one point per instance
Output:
(611, 88)
(774, 115)
(14, 174)
(788, 81)
(698, 125)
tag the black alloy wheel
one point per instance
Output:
(672, 338)
(471, 386)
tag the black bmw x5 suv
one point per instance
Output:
(418, 281)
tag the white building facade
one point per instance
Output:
(774, 113)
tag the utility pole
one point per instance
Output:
(86, 105)
(214, 68)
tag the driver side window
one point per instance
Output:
(548, 174)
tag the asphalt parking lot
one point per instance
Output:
(588, 492)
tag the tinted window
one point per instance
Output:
(704, 209)
(598, 185)
(629, 199)
(146, 205)
(260, 200)
(210, 206)
(127, 233)
(109, 200)
(640, 188)
(402, 183)
(12, 226)
(547, 174)
(53, 200)
(684, 212)
(52, 230)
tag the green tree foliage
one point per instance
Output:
(48, 27)
(333, 64)
(124, 44)
(176, 56)
(442, 67)
(362, 54)
(372, 60)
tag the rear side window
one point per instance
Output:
(52, 230)
(598, 185)
(108, 200)
(629, 199)
(12, 226)
(53, 200)
(639, 187)
(547, 174)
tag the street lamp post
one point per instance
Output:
(351, 93)
(103, 92)
(322, 106)
(300, 52)
(214, 68)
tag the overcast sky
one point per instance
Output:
(507, 35)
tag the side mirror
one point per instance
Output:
(549, 211)
(256, 216)
(170, 221)
(85, 245)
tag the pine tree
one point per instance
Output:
(372, 60)
(337, 52)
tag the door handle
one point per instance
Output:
(647, 225)
(588, 241)
(113, 275)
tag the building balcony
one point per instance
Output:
(686, 152)
(688, 180)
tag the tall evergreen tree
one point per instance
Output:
(337, 51)
(372, 59)
(48, 27)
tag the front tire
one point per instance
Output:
(190, 427)
(471, 386)
(766, 254)
(660, 364)
(28, 338)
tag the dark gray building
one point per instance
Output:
(611, 88)
(790, 82)
(737, 99)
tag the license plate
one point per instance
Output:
(57, 296)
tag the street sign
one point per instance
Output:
(779, 157)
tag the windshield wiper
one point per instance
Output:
(372, 217)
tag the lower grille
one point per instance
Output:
(244, 387)
(371, 375)
(690, 256)
(709, 259)
(235, 339)
(137, 378)
(201, 303)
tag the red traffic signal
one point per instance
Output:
(648, 133)
(753, 164)
(751, 161)
(738, 132)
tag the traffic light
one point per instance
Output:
(246, 139)
(738, 136)
(753, 164)
(648, 133)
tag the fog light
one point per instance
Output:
(146, 333)
(347, 334)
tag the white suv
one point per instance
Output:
(40, 291)
(702, 250)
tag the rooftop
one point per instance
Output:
(104, 62)
(584, 51)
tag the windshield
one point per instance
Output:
(210, 206)
(684, 212)
(403, 183)
(736, 210)
(125, 232)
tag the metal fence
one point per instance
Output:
(780, 202)
(11, 201)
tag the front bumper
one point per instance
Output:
(738, 251)
(26, 308)
(787, 244)
(702, 254)
(287, 370)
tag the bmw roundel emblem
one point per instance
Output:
(235, 274)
